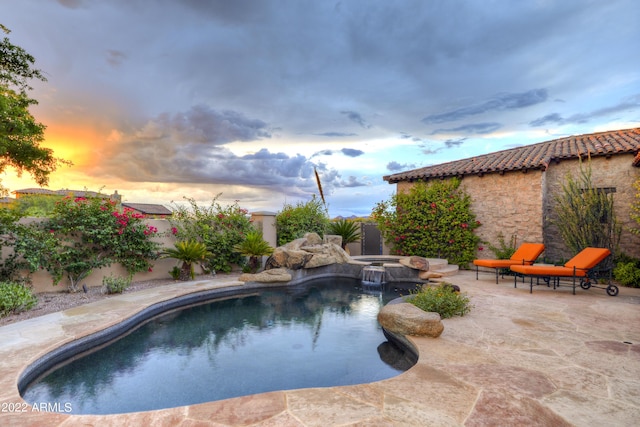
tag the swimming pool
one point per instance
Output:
(319, 334)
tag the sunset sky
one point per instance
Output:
(160, 99)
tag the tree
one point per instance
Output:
(20, 133)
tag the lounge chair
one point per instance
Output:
(526, 254)
(580, 267)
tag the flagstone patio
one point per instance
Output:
(540, 359)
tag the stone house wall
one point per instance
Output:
(508, 205)
(521, 203)
(614, 172)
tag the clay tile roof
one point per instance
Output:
(534, 156)
(148, 209)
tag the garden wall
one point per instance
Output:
(42, 281)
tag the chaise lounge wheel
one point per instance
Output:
(612, 290)
(585, 284)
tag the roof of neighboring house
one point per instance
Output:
(76, 193)
(148, 208)
(535, 156)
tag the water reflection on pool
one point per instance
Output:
(320, 334)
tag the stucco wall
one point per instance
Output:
(42, 281)
(615, 172)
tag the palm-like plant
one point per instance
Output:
(254, 247)
(348, 230)
(189, 252)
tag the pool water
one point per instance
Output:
(319, 334)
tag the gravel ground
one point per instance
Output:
(50, 302)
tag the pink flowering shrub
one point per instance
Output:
(83, 234)
(431, 220)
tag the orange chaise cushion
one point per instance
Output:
(588, 258)
(527, 253)
(583, 261)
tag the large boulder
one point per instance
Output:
(307, 252)
(415, 262)
(407, 319)
(293, 259)
(267, 276)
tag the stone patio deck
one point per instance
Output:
(544, 359)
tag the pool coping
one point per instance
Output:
(485, 366)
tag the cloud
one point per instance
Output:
(336, 134)
(452, 143)
(115, 57)
(189, 147)
(350, 152)
(352, 182)
(507, 101)
(629, 103)
(201, 124)
(357, 118)
(395, 166)
(474, 128)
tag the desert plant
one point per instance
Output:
(294, 222)
(15, 297)
(635, 208)
(584, 214)
(188, 252)
(253, 246)
(442, 299)
(115, 284)
(504, 250)
(348, 230)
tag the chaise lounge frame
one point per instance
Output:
(580, 269)
(526, 254)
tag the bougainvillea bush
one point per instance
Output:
(219, 227)
(83, 234)
(430, 220)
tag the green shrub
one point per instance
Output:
(442, 299)
(293, 222)
(115, 284)
(430, 220)
(627, 271)
(15, 298)
(218, 227)
(175, 272)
